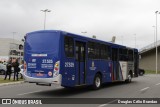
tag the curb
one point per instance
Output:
(11, 83)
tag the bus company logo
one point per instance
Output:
(6, 101)
(93, 66)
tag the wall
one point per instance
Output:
(148, 60)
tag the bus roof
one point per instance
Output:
(81, 37)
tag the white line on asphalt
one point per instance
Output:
(31, 92)
(158, 84)
(145, 88)
(102, 105)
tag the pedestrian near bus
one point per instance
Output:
(15, 65)
(8, 71)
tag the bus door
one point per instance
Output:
(80, 51)
(115, 73)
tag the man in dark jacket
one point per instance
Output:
(8, 71)
(15, 65)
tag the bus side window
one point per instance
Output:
(130, 55)
(115, 54)
(104, 51)
(68, 44)
(91, 50)
(123, 54)
(108, 52)
(97, 51)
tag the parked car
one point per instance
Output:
(2, 69)
(141, 72)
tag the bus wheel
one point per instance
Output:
(97, 82)
(129, 78)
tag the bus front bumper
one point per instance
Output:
(54, 80)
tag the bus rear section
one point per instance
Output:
(41, 58)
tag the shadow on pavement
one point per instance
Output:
(64, 92)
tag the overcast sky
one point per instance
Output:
(128, 20)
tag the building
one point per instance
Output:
(10, 48)
(148, 57)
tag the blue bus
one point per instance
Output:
(67, 59)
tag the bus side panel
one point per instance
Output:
(67, 68)
(68, 73)
(109, 70)
(131, 67)
(102, 66)
(91, 71)
(124, 65)
(117, 71)
(105, 70)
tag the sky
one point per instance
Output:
(131, 21)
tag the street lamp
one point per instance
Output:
(154, 34)
(84, 32)
(156, 42)
(46, 10)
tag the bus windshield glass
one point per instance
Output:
(42, 41)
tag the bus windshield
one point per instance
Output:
(42, 41)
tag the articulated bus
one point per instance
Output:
(58, 57)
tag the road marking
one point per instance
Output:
(31, 92)
(102, 105)
(145, 88)
(158, 84)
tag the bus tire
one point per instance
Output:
(129, 80)
(97, 82)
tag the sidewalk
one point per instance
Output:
(9, 82)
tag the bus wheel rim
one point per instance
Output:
(98, 82)
(129, 77)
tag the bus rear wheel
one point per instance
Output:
(129, 78)
(97, 82)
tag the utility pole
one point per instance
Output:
(156, 43)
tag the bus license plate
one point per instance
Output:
(39, 74)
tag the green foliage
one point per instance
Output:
(7, 81)
(151, 72)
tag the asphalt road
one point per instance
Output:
(146, 86)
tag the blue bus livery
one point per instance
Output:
(58, 57)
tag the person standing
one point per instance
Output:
(8, 71)
(15, 65)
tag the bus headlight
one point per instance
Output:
(56, 68)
